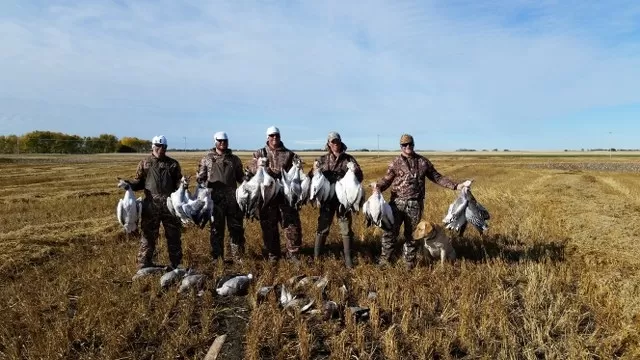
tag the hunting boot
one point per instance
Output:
(319, 245)
(347, 242)
(237, 253)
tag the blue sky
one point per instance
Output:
(517, 74)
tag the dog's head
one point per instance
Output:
(425, 230)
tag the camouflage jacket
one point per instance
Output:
(278, 159)
(157, 176)
(335, 167)
(220, 170)
(406, 176)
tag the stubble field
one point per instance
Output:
(557, 276)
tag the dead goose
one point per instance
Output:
(248, 194)
(291, 182)
(476, 214)
(235, 285)
(269, 188)
(200, 206)
(349, 190)
(305, 186)
(455, 218)
(129, 209)
(192, 281)
(179, 198)
(149, 270)
(321, 190)
(378, 212)
(299, 305)
(172, 277)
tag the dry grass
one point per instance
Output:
(556, 277)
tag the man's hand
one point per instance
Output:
(262, 161)
(466, 183)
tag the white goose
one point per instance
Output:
(200, 206)
(378, 212)
(291, 182)
(248, 193)
(455, 218)
(234, 285)
(349, 190)
(320, 189)
(179, 198)
(269, 188)
(129, 209)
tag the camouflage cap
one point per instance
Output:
(406, 139)
(334, 135)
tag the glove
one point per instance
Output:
(466, 183)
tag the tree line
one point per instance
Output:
(60, 143)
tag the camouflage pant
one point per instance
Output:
(153, 213)
(279, 212)
(407, 212)
(226, 208)
(325, 218)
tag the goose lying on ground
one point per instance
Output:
(234, 285)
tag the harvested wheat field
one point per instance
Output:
(557, 276)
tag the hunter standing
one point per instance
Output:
(221, 171)
(406, 176)
(158, 175)
(333, 166)
(278, 158)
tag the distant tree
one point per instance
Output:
(138, 144)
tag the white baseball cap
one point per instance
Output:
(272, 130)
(220, 135)
(159, 140)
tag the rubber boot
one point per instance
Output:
(319, 245)
(347, 242)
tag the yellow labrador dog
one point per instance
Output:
(436, 243)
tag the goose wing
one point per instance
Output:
(172, 210)
(305, 186)
(119, 211)
(387, 219)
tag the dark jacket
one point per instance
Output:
(278, 159)
(220, 170)
(157, 176)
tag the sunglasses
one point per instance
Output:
(405, 145)
(222, 140)
(275, 135)
(158, 145)
(335, 141)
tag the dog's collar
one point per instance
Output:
(432, 234)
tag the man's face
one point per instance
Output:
(335, 145)
(222, 145)
(407, 148)
(274, 140)
(158, 150)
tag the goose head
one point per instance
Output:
(123, 184)
(351, 166)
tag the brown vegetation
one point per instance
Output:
(556, 276)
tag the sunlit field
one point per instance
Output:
(557, 276)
